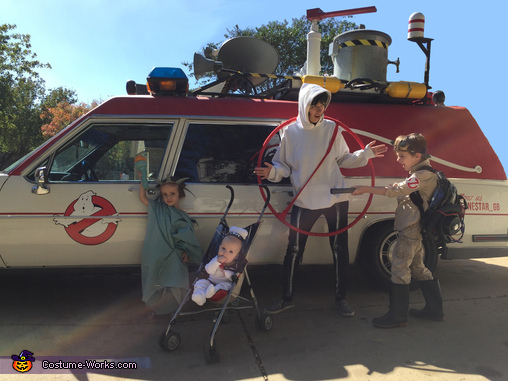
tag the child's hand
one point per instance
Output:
(185, 257)
(378, 150)
(358, 191)
(263, 172)
(221, 259)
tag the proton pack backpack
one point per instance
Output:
(444, 219)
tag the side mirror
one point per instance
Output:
(40, 178)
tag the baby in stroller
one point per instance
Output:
(222, 267)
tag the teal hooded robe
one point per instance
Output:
(164, 277)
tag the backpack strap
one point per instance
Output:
(428, 168)
(416, 197)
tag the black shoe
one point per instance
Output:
(433, 309)
(426, 313)
(344, 308)
(398, 310)
(278, 307)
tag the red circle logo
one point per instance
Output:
(92, 230)
(413, 182)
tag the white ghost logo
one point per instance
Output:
(83, 208)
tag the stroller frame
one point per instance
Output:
(170, 340)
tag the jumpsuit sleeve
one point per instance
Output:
(423, 181)
(399, 189)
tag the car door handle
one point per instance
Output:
(150, 191)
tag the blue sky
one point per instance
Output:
(95, 46)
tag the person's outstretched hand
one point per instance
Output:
(378, 150)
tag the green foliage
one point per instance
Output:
(290, 41)
(59, 95)
(16, 58)
(23, 96)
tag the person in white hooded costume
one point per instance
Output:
(303, 145)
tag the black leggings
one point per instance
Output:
(304, 219)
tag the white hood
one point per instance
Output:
(307, 93)
(301, 150)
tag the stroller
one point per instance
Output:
(225, 301)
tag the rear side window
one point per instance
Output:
(106, 152)
(214, 153)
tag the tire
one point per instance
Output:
(376, 254)
(265, 322)
(169, 342)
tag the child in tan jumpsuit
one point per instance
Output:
(408, 253)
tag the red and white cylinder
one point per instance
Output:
(416, 26)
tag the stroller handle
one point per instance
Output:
(231, 199)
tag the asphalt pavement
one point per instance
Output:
(97, 319)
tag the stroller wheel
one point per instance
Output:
(212, 355)
(264, 322)
(169, 342)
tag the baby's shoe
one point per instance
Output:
(210, 291)
(199, 298)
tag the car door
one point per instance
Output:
(217, 153)
(86, 212)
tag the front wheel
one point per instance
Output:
(170, 341)
(264, 322)
(376, 253)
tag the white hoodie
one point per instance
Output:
(303, 146)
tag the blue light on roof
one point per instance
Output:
(167, 72)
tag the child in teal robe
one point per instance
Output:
(170, 245)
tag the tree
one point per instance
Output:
(23, 96)
(58, 95)
(57, 98)
(21, 89)
(61, 115)
(290, 41)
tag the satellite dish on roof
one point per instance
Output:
(248, 54)
(243, 54)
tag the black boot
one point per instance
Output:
(399, 304)
(433, 309)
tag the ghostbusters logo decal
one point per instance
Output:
(90, 219)
(413, 182)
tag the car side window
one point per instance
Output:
(106, 152)
(220, 153)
